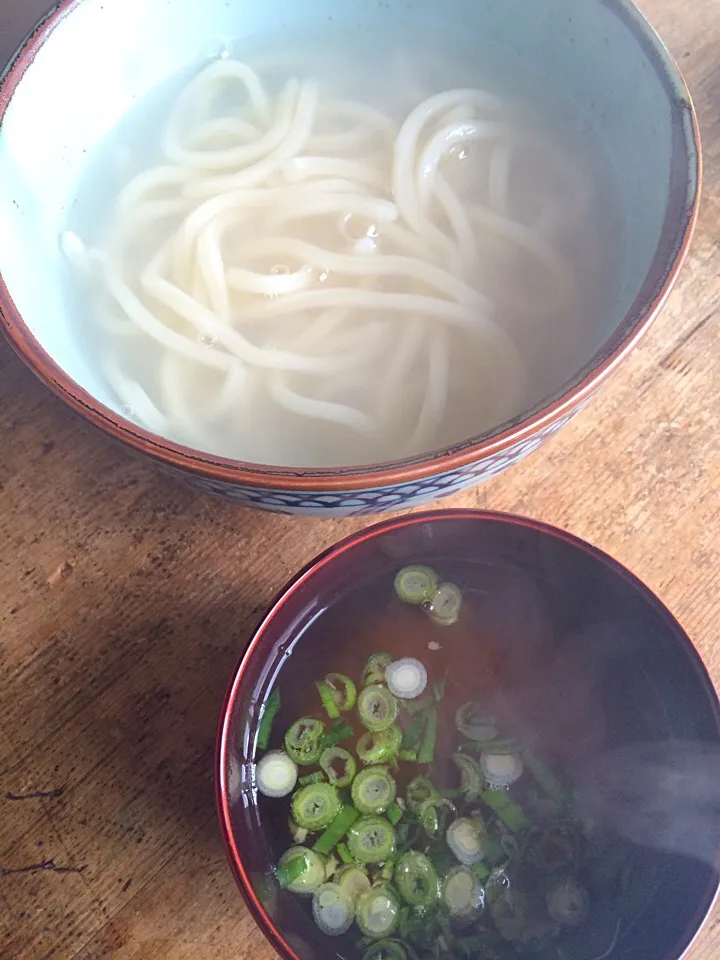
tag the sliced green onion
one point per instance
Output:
(343, 689)
(435, 816)
(467, 840)
(394, 814)
(413, 735)
(386, 871)
(379, 746)
(292, 869)
(344, 853)
(555, 848)
(373, 790)
(333, 911)
(316, 777)
(377, 912)
(481, 871)
(462, 892)
(510, 813)
(300, 870)
(473, 723)
(270, 710)
(413, 707)
(299, 834)
(546, 779)
(438, 689)
(568, 903)
(416, 879)
(500, 770)
(426, 752)
(353, 880)
(416, 584)
(406, 678)
(302, 741)
(386, 950)
(327, 696)
(419, 791)
(276, 774)
(315, 806)
(510, 912)
(375, 668)
(339, 731)
(444, 606)
(337, 755)
(371, 839)
(329, 839)
(410, 756)
(377, 707)
(470, 776)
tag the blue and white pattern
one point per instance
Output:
(380, 499)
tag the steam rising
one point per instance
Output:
(664, 795)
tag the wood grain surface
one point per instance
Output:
(125, 601)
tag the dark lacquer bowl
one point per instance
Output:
(597, 664)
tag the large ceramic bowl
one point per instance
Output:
(88, 61)
(597, 665)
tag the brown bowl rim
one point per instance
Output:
(678, 227)
(265, 627)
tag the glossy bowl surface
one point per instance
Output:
(553, 595)
(69, 85)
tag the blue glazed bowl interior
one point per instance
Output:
(593, 663)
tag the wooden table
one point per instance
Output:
(125, 601)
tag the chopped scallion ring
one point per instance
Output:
(315, 806)
(462, 893)
(300, 870)
(377, 912)
(444, 607)
(333, 911)
(375, 667)
(567, 903)
(303, 741)
(471, 777)
(343, 689)
(380, 746)
(373, 790)
(353, 880)
(339, 765)
(419, 791)
(386, 950)
(416, 879)
(473, 723)
(500, 770)
(467, 839)
(377, 707)
(406, 678)
(371, 840)
(276, 774)
(416, 584)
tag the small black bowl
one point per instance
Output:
(594, 660)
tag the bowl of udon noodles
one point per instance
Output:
(464, 735)
(336, 257)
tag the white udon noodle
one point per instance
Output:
(267, 259)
